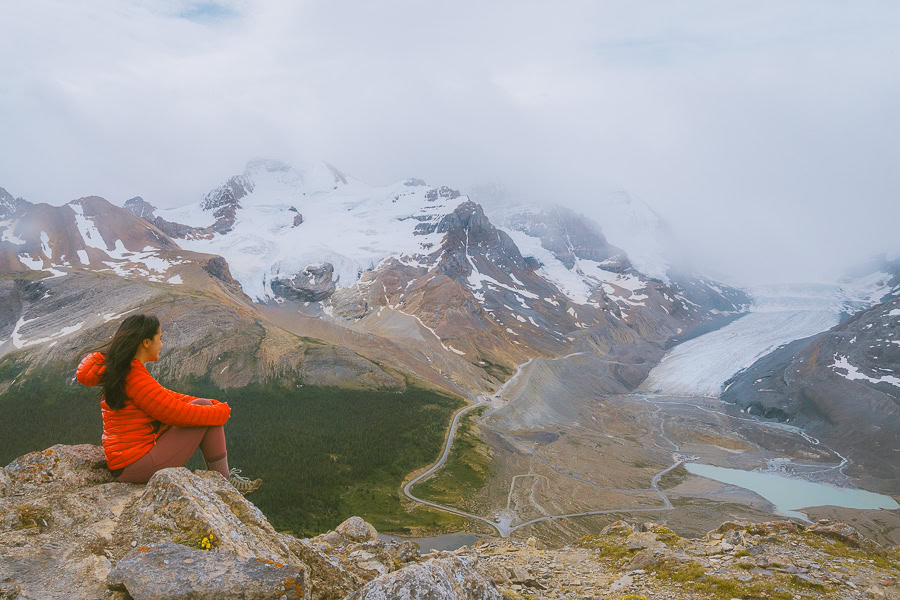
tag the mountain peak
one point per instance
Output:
(271, 165)
(313, 177)
(140, 207)
(8, 204)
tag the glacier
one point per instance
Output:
(779, 314)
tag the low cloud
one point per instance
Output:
(764, 133)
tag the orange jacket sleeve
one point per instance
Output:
(166, 406)
(182, 397)
(186, 398)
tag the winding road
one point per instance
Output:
(495, 524)
(503, 525)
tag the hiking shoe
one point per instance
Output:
(243, 484)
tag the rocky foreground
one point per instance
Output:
(68, 530)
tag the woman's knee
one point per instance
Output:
(203, 401)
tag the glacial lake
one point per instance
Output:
(788, 494)
(450, 541)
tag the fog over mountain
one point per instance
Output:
(762, 134)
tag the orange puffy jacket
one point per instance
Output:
(128, 433)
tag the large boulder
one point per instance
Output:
(170, 571)
(357, 530)
(58, 468)
(650, 557)
(643, 539)
(450, 578)
(57, 509)
(65, 524)
(184, 507)
(618, 528)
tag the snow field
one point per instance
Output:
(354, 227)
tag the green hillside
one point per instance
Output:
(324, 453)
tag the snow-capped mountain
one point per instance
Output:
(274, 221)
(426, 264)
(285, 230)
(422, 266)
(88, 233)
(574, 254)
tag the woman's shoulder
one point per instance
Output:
(139, 378)
(139, 370)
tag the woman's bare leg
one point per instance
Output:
(174, 447)
(215, 454)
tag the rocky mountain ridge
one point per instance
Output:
(478, 296)
(68, 530)
(91, 234)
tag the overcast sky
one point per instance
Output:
(765, 133)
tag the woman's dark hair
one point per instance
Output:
(120, 352)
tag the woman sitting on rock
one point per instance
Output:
(145, 426)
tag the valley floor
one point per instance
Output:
(622, 456)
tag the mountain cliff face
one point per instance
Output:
(842, 385)
(475, 294)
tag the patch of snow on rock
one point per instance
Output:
(45, 245)
(7, 234)
(853, 373)
(34, 265)
(20, 342)
(89, 232)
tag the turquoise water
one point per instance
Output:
(450, 541)
(789, 494)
